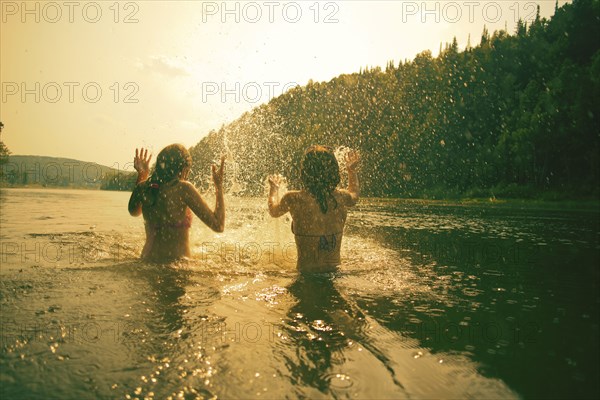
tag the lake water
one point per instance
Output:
(434, 300)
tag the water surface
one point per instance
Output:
(433, 300)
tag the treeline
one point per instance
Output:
(515, 116)
(4, 151)
(123, 181)
(42, 171)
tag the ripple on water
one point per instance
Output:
(338, 380)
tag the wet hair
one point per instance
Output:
(320, 174)
(169, 163)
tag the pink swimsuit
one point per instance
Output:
(152, 230)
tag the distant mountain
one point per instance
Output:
(42, 171)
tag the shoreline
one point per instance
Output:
(583, 204)
(564, 204)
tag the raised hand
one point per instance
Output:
(274, 181)
(141, 162)
(352, 160)
(218, 173)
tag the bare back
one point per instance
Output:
(318, 235)
(168, 218)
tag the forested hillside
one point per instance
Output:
(42, 171)
(515, 116)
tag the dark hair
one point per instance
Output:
(169, 163)
(320, 174)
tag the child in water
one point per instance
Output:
(167, 199)
(318, 210)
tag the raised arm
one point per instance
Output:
(215, 220)
(277, 207)
(353, 191)
(141, 163)
(135, 203)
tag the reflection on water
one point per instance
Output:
(433, 301)
(325, 329)
(313, 329)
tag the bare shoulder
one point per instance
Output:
(186, 188)
(346, 197)
(291, 198)
(186, 185)
(293, 194)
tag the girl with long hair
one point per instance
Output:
(319, 209)
(167, 199)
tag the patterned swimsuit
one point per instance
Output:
(327, 243)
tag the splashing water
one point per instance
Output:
(341, 153)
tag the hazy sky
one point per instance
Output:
(93, 80)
